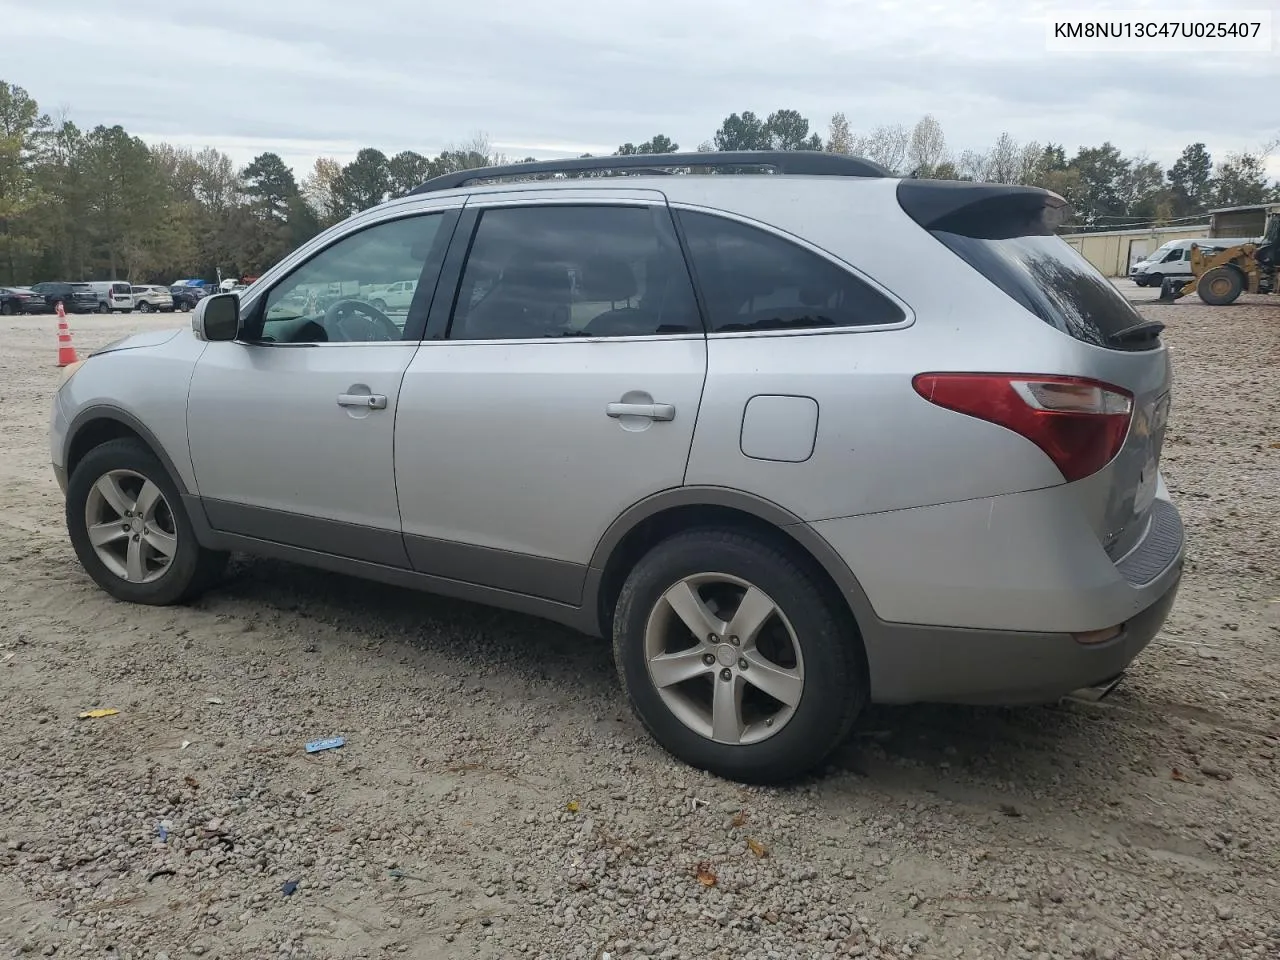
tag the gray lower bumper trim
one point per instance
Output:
(911, 664)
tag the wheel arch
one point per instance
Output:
(646, 523)
(98, 424)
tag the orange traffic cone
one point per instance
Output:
(66, 352)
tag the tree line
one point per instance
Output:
(102, 204)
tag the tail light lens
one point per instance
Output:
(1080, 424)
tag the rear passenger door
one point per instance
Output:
(561, 387)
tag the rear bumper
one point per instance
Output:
(979, 601)
(933, 664)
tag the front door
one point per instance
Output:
(291, 425)
(564, 389)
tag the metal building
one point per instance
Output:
(1247, 221)
(1114, 251)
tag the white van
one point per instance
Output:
(1173, 259)
(112, 295)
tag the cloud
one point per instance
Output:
(326, 77)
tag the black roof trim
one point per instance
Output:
(811, 163)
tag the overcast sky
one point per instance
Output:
(548, 78)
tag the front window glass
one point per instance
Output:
(343, 293)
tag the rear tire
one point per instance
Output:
(712, 711)
(1220, 286)
(144, 307)
(127, 565)
(103, 308)
(6, 309)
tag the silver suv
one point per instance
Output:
(147, 298)
(793, 442)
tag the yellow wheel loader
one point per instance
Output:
(1219, 278)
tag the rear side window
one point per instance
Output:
(574, 271)
(1052, 280)
(752, 280)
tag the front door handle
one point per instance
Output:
(654, 411)
(370, 401)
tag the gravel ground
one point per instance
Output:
(496, 799)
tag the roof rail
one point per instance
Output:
(811, 163)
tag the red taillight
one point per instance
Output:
(1081, 424)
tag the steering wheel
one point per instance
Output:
(343, 322)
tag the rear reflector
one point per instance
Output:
(1098, 636)
(1080, 424)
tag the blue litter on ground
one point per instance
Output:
(289, 887)
(315, 746)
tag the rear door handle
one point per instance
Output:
(371, 401)
(654, 411)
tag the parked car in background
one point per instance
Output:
(17, 300)
(150, 298)
(74, 297)
(186, 295)
(113, 295)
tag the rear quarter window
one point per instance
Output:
(754, 280)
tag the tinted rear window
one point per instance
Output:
(753, 280)
(1052, 280)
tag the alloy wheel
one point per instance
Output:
(724, 658)
(131, 526)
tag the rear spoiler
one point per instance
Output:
(984, 211)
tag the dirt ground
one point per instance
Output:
(496, 799)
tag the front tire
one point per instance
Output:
(735, 659)
(104, 308)
(130, 529)
(1220, 286)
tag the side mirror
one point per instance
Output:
(217, 317)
